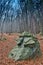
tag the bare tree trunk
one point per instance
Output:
(2, 25)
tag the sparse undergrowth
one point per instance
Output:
(3, 39)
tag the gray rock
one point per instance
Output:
(27, 47)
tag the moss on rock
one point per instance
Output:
(27, 47)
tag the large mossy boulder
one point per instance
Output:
(27, 47)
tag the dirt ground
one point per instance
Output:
(8, 43)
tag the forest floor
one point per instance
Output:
(8, 43)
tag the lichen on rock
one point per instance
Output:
(27, 47)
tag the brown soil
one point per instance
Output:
(9, 43)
